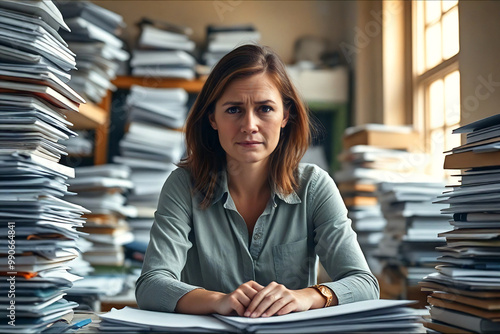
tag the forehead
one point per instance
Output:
(261, 83)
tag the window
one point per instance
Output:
(436, 76)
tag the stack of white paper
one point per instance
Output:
(101, 189)
(365, 316)
(413, 223)
(363, 168)
(163, 52)
(37, 228)
(223, 39)
(94, 37)
(466, 287)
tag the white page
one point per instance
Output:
(165, 320)
(335, 311)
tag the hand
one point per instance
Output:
(276, 299)
(238, 300)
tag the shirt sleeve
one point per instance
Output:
(159, 286)
(336, 243)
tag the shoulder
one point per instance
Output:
(180, 178)
(310, 173)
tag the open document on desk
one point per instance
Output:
(381, 315)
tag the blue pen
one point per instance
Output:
(80, 324)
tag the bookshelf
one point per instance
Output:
(94, 117)
(191, 86)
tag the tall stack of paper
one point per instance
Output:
(375, 153)
(371, 315)
(38, 235)
(222, 39)
(94, 39)
(413, 223)
(102, 189)
(163, 50)
(151, 148)
(466, 287)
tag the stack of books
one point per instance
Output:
(466, 287)
(411, 234)
(94, 39)
(375, 153)
(38, 228)
(164, 50)
(222, 39)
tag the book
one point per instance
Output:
(381, 136)
(464, 320)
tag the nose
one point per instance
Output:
(249, 123)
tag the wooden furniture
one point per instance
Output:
(191, 86)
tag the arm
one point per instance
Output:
(159, 286)
(337, 246)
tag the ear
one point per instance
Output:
(286, 114)
(211, 118)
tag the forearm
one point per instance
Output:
(353, 288)
(199, 301)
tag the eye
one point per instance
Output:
(266, 109)
(232, 110)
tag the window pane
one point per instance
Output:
(432, 11)
(436, 104)
(447, 4)
(437, 156)
(452, 98)
(450, 33)
(433, 45)
(452, 140)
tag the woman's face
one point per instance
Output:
(248, 118)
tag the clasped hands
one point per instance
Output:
(254, 300)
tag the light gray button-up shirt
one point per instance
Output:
(210, 248)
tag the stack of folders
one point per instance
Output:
(413, 224)
(94, 39)
(38, 228)
(222, 39)
(466, 287)
(163, 50)
(380, 315)
(151, 147)
(374, 153)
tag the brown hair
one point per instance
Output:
(206, 157)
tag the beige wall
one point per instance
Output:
(280, 22)
(479, 59)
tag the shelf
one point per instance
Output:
(191, 86)
(90, 116)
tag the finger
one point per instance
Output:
(236, 305)
(288, 308)
(257, 299)
(254, 285)
(265, 304)
(243, 297)
(277, 306)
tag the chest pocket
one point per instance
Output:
(291, 263)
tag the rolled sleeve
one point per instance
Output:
(337, 246)
(159, 287)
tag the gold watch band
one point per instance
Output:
(325, 292)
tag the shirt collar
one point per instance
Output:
(222, 189)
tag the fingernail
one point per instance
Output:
(264, 315)
(247, 313)
(254, 315)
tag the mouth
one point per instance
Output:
(249, 143)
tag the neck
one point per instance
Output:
(248, 180)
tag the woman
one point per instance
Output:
(240, 224)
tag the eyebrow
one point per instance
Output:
(234, 103)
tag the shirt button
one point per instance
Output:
(257, 236)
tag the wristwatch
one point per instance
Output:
(325, 292)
